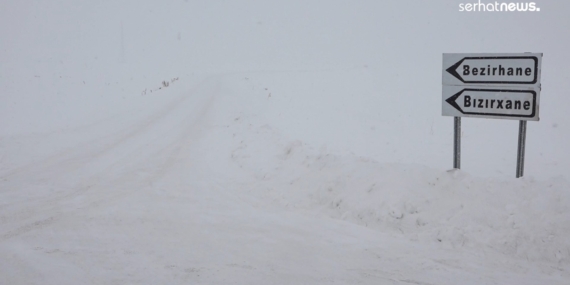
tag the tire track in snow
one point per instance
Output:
(95, 184)
(102, 145)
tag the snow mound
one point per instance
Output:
(521, 218)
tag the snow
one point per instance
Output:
(295, 143)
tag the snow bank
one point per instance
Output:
(521, 218)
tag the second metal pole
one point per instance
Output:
(520, 152)
(457, 143)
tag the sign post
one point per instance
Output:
(520, 151)
(457, 142)
(496, 86)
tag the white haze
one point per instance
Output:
(296, 142)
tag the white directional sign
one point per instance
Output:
(492, 69)
(518, 103)
(501, 86)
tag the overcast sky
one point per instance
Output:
(50, 49)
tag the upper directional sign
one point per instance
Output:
(491, 69)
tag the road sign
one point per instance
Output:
(491, 69)
(491, 85)
(516, 103)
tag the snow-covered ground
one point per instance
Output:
(272, 142)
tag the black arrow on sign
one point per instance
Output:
(451, 101)
(452, 70)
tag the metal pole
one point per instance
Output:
(520, 152)
(457, 143)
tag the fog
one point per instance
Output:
(90, 88)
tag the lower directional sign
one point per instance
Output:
(517, 103)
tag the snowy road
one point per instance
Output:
(192, 194)
(272, 142)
